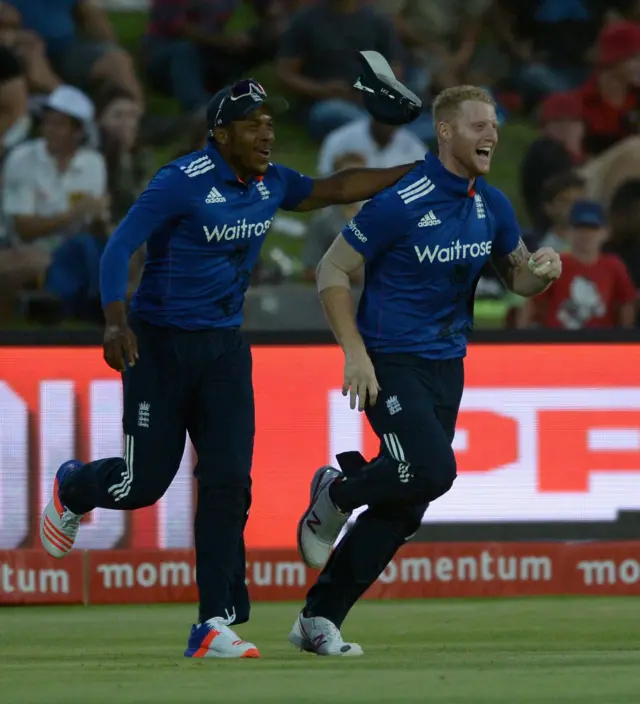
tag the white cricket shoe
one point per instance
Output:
(318, 635)
(214, 639)
(59, 526)
(322, 522)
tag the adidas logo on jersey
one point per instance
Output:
(215, 197)
(198, 167)
(418, 189)
(428, 220)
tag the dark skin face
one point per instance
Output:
(246, 144)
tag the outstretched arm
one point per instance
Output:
(352, 186)
(525, 279)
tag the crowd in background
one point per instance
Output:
(78, 141)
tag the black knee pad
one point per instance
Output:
(351, 462)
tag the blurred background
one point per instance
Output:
(96, 94)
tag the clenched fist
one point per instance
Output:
(546, 264)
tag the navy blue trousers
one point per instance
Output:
(415, 418)
(198, 383)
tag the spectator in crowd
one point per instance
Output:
(556, 150)
(29, 48)
(441, 37)
(326, 224)
(623, 10)
(318, 61)
(624, 217)
(15, 120)
(548, 42)
(55, 194)
(559, 195)
(80, 44)
(595, 289)
(129, 165)
(188, 53)
(20, 266)
(381, 145)
(610, 98)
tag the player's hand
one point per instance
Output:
(120, 347)
(360, 380)
(546, 264)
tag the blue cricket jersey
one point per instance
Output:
(425, 241)
(204, 229)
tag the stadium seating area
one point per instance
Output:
(95, 96)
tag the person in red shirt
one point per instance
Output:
(611, 97)
(595, 289)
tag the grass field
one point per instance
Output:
(521, 651)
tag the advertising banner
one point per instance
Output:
(545, 433)
(419, 570)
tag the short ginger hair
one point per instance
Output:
(448, 102)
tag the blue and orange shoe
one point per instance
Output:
(58, 525)
(214, 639)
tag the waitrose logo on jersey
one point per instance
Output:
(241, 230)
(454, 252)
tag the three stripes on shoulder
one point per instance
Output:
(199, 166)
(416, 190)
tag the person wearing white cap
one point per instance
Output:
(55, 193)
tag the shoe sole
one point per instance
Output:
(316, 487)
(250, 654)
(53, 540)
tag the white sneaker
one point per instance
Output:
(318, 635)
(322, 522)
(214, 639)
(59, 526)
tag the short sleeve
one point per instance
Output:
(297, 187)
(507, 228)
(18, 187)
(381, 222)
(625, 288)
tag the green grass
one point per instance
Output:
(521, 651)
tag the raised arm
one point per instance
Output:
(352, 186)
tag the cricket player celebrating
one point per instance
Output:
(424, 242)
(185, 366)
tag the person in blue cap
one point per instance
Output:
(185, 366)
(596, 289)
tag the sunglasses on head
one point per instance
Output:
(242, 89)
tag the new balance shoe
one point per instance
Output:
(318, 635)
(214, 639)
(58, 525)
(322, 522)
